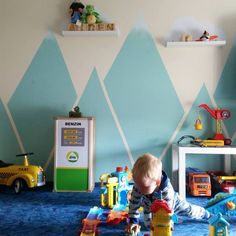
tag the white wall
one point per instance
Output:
(25, 23)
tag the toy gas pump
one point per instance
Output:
(218, 115)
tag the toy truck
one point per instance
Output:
(221, 182)
(198, 184)
(227, 183)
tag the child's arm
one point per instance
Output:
(134, 205)
(132, 229)
(182, 207)
(168, 194)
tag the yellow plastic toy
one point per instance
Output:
(19, 176)
(108, 197)
(162, 223)
(115, 189)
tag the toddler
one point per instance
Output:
(150, 181)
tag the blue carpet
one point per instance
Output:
(44, 212)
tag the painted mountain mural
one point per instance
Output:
(142, 95)
(45, 91)
(8, 146)
(204, 162)
(225, 94)
(110, 150)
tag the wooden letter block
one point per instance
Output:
(111, 26)
(72, 27)
(92, 27)
(84, 27)
(102, 27)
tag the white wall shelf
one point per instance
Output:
(115, 32)
(196, 43)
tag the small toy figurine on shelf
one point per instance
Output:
(186, 38)
(75, 113)
(76, 10)
(90, 16)
(207, 37)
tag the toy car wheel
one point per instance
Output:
(17, 186)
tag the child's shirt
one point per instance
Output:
(167, 192)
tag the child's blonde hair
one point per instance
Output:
(147, 166)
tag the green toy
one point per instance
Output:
(90, 16)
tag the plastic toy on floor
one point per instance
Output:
(162, 218)
(98, 215)
(134, 231)
(115, 188)
(222, 182)
(198, 182)
(218, 226)
(224, 203)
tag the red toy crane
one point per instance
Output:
(218, 115)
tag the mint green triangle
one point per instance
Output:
(225, 95)
(110, 150)
(203, 162)
(143, 95)
(45, 91)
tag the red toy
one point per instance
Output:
(207, 37)
(218, 115)
(221, 182)
(98, 215)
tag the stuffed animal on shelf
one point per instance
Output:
(76, 10)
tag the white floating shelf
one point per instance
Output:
(115, 32)
(196, 43)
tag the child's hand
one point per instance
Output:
(132, 229)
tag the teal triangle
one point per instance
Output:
(45, 91)
(225, 95)
(110, 150)
(204, 162)
(8, 146)
(167, 162)
(49, 172)
(142, 95)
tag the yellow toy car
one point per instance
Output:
(19, 176)
(208, 142)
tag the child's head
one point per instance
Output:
(147, 172)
